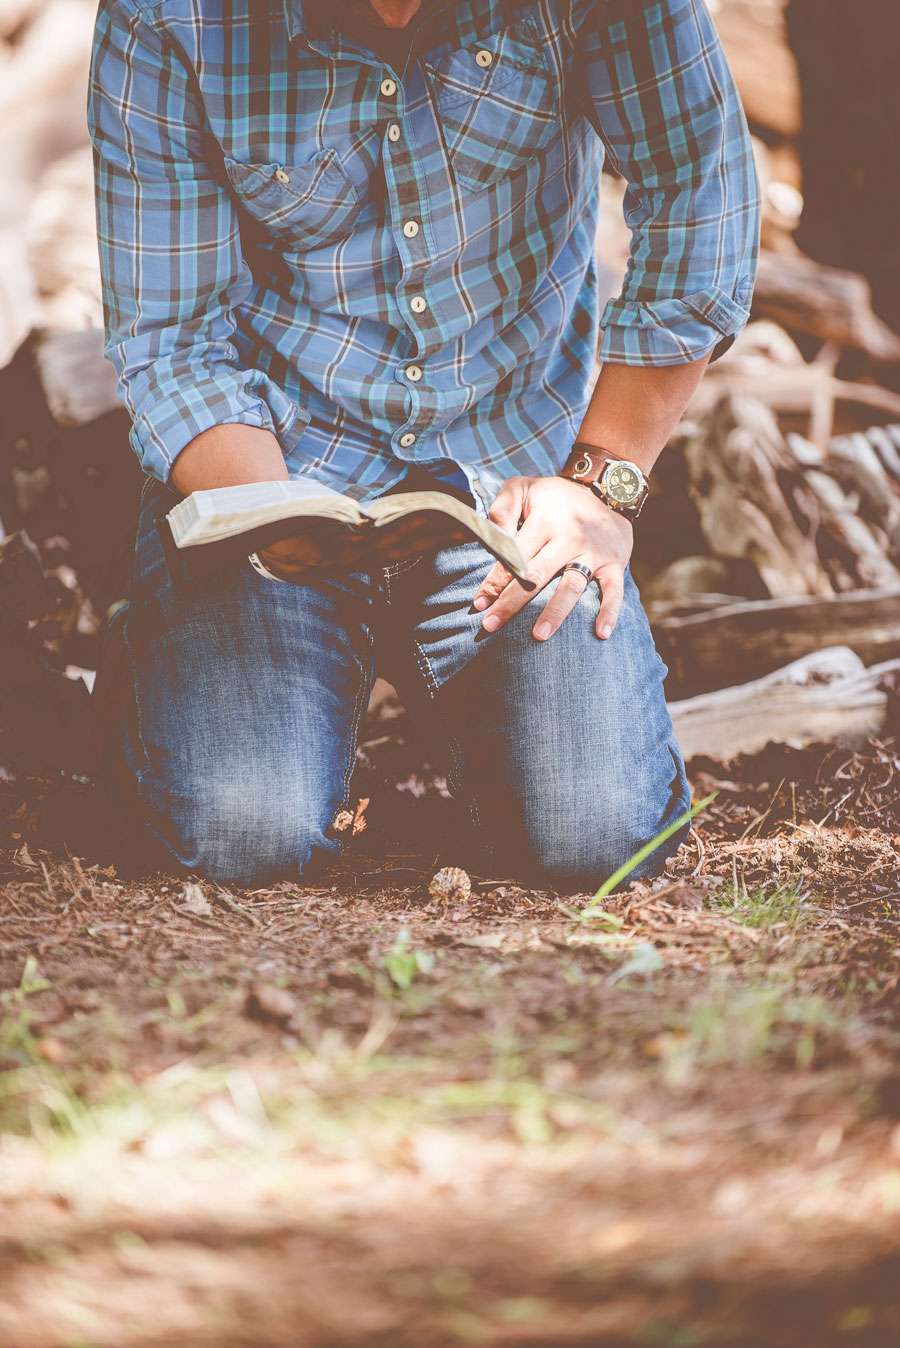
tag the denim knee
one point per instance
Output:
(229, 834)
(577, 844)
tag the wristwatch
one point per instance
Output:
(619, 483)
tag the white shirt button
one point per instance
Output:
(411, 228)
(393, 131)
(418, 304)
(407, 439)
(414, 373)
(282, 176)
(388, 88)
(484, 58)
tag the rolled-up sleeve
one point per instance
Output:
(664, 102)
(171, 262)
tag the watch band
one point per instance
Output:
(586, 465)
(259, 566)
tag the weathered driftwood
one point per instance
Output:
(754, 36)
(78, 382)
(859, 548)
(798, 391)
(723, 645)
(808, 518)
(709, 580)
(883, 440)
(767, 364)
(62, 244)
(42, 91)
(824, 302)
(780, 197)
(829, 695)
(740, 465)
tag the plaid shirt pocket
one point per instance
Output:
(307, 205)
(495, 115)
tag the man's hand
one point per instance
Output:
(562, 522)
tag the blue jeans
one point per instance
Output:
(243, 699)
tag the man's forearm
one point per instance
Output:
(634, 409)
(226, 456)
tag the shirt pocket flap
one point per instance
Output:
(515, 53)
(310, 204)
(496, 115)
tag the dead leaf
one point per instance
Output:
(193, 900)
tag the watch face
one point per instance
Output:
(622, 483)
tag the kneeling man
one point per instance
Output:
(353, 242)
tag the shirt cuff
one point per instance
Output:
(673, 331)
(168, 415)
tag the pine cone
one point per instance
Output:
(450, 885)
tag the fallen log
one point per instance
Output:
(828, 695)
(823, 302)
(726, 645)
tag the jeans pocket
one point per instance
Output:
(497, 104)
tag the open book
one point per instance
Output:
(212, 527)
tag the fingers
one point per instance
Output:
(512, 598)
(494, 583)
(612, 589)
(594, 535)
(572, 585)
(505, 512)
(509, 504)
(530, 538)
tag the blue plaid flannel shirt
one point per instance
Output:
(387, 267)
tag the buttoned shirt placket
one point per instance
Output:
(408, 207)
(400, 107)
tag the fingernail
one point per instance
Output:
(605, 632)
(479, 603)
(491, 623)
(542, 631)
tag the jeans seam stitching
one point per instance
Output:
(398, 568)
(361, 703)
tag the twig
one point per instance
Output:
(228, 902)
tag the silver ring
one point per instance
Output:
(582, 569)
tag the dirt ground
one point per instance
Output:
(350, 1115)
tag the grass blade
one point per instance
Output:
(624, 870)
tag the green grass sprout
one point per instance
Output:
(641, 855)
